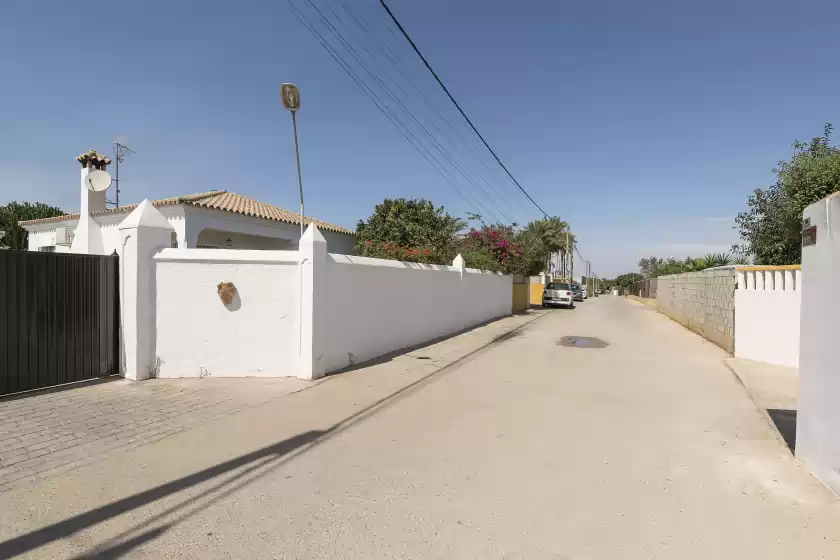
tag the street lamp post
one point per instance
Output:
(290, 96)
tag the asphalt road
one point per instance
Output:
(636, 444)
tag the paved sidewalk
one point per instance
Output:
(774, 390)
(769, 385)
(45, 433)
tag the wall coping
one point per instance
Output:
(336, 258)
(228, 255)
(751, 268)
(487, 272)
(728, 271)
(388, 263)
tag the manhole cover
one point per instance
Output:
(581, 342)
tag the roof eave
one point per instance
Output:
(52, 223)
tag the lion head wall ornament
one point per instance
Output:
(226, 292)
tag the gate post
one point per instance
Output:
(312, 259)
(143, 233)
(818, 416)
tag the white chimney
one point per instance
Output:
(88, 237)
(92, 201)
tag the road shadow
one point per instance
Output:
(785, 421)
(68, 527)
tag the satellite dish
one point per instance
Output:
(97, 180)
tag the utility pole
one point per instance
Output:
(572, 267)
(568, 248)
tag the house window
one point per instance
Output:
(47, 249)
(173, 240)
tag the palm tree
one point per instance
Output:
(569, 248)
(540, 235)
(551, 234)
(559, 238)
(717, 259)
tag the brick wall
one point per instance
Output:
(702, 301)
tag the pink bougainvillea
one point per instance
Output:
(491, 248)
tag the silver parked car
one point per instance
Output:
(558, 293)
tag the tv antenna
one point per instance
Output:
(121, 151)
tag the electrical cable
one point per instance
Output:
(360, 21)
(466, 118)
(380, 104)
(394, 99)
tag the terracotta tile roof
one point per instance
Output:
(216, 200)
(94, 158)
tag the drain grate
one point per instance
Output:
(582, 342)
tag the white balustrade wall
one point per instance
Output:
(767, 308)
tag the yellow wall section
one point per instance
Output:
(536, 293)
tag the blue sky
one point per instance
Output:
(644, 126)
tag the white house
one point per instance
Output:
(213, 219)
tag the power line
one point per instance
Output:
(390, 94)
(466, 118)
(444, 152)
(394, 62)
(383, 108)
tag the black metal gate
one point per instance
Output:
(59, 319)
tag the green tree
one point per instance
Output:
(413, 230)
(649, 267)
(15, 237)
(624, 280)
(771, 227)
(690, 264)
(533, 254)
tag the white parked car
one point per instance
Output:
(558, 293)
(585, 292)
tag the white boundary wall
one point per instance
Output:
(376, 306)
(298, 313)
(767, 309)
(257, 335)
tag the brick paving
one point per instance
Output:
(46, 433)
